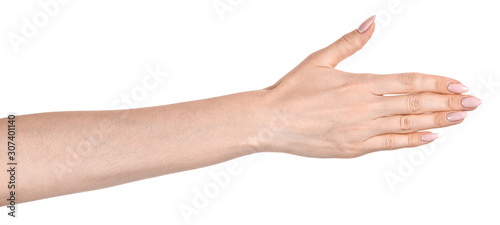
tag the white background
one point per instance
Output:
(91, 53)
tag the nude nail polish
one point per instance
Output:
(457, 88)
(429, 137)
(471, 102)
(456, 116)
(365, 25)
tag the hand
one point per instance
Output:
(331, 113)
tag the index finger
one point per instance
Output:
(405, 83)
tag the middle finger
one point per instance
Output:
(427, 102)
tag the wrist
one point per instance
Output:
(266, 122)
(255, 115)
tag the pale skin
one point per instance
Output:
(315, 110)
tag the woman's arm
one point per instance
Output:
(67, 152)
(315, 111)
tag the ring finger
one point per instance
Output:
(413, 123)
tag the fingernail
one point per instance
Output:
(365, 25)
(456, 116)
(471, 102)
(457, 88)
(429, 137)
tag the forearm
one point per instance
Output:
(68, 152)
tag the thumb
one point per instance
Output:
(347, 45)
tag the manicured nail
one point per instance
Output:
(457, 88)
(429, 137)
(456, 116)
(365, 25)
(471, 102)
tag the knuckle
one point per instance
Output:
(348, 43)
(390, 142)
(345, 42)
(440, 120)
(412, 142)
(405, 123)
(414, 103)
(441, 85)
(450, 102)
(314, 54)
(408, 80)
(351, 151)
